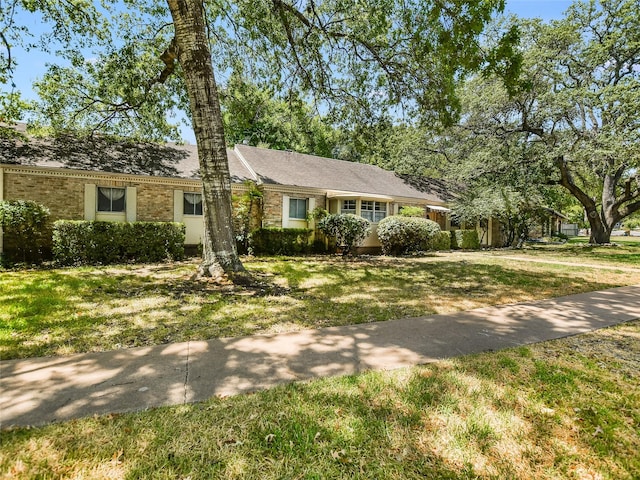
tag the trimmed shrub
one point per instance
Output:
(349, 230)
(465, 239)
(453, 240)
(399, 235)
(280, 241)
(91, 243)
(27, 231)
(409, 211)
(440, 241)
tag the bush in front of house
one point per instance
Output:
(349, 230)
(465, 239)
(399, 235)
(440, 241)
(91, 243)
(27, 231)
(411, 211)
(280, 241)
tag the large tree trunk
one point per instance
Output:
(219, 254)
(600, 228)
(600, 231)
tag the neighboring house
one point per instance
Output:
(99, 179)
(552, 223)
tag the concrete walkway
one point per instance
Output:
(42, 390)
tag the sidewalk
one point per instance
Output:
(42, 390)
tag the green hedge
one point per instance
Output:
(440, 241)
(26, 230)
(280, 241)
(399, 235)
(80, 242)
(465, 239)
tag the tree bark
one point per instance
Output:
(600, 230)
(600, 234)
(219, 255)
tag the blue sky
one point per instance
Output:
(32, 65)
(545, 9)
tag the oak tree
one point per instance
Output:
(574, 123)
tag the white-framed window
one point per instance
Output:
(348, 206)
(373, 211)
(191, 203)
(111, 199)
(298, 208)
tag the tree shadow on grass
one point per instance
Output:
(93, 310)
(464, 419)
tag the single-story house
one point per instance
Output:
(100, 179)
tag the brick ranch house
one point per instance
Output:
(96, 179)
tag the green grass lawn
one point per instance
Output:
(565, 409)
(623, 251)
(47, 312)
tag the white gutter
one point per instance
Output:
(356, 195)
(438, 208)
(253, 173)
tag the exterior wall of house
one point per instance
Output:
(495, 237)
(439, 218)
(63, 196)
(71, 195)
(275, 206)
(371, 244)
(155, 203)
(272, 208)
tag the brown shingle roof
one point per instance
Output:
(181, 161)
(296, 169)
(99, 154)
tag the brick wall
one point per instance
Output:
(63, 196)
(321, 201)
(272, 206)
(155, 202)
(272, 209)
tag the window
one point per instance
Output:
(111, 199)
(380, 211)
(298, 208)
(366, 210)
(192, 204)
(373, 211)
(348, 206)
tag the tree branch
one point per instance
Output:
(7, 46)
(169, 57)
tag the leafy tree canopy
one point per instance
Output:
(258, 116)
(360, 59)
(572, 123)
